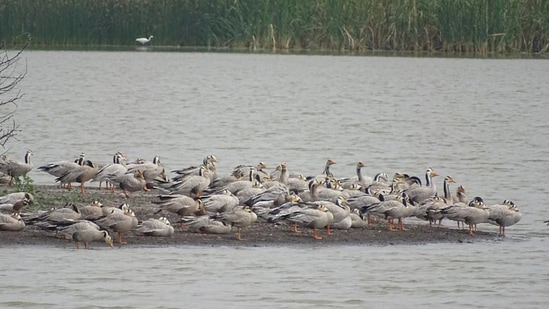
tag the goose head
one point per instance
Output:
(476, 201)
(108, 239)
(431, 172)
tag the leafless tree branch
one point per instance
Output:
(10, 76)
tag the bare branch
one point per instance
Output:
(10, 76)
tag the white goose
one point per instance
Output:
(502, 215)
(11, 222)
(419, 194)
(15, 169)
(144, 41)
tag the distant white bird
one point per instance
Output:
(143, 41)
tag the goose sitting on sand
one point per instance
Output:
(14, 208)
(160, 227)
(11, 222)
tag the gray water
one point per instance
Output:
(482, 121)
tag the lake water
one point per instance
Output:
(482, 121)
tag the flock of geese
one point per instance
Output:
(207, 203)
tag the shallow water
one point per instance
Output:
(480, 121)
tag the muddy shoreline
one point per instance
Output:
(259, 235)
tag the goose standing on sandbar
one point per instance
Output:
(15, 169)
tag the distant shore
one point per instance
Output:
(260, 234)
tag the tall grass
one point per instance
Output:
(478, 26)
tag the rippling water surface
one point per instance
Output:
(481, 121)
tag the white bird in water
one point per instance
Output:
(143, 41)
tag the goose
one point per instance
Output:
(13, 197)
(274, 196)
(160, 227)
(222, 202)
(446, 189)
(460, 196)
(69, 213)
(363, 202)
(357, 219)
(14, 208)
(272, 214)
(247, 193)
(60, 168)
(504, 214)
(151, 169)
(297, 183)
(430, 210)
(179, 204)
(419, 194)
(121, 209)
(472, 214)
(119, 222)
(209, 162)
(115, 169)
(340, 211)
(205, 224)
(239, 216)
(193, 185)
(381, 184)
(88, 235)
(314, 216)
(259, 169)
(238, 185)
(66, 229)
(11, 222)
(311, 194)
(82, 174)
(359, 179)
(330, 191)
(93, 211)
(327, 171)
(393, 209)
(130, 182)
(15, 169)
(144, 41)
(215, 227)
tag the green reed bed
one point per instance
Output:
(477, 26)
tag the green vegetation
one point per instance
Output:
(474, 26)
(24, 185)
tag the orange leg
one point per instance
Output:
(86, 245)
(315, 235)
(82, 188)
(120, 239)
(401, 225)
(390, 223)
(471, 230)
(77, 245)
(239, 235)
(294, 228)
(328, 230)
